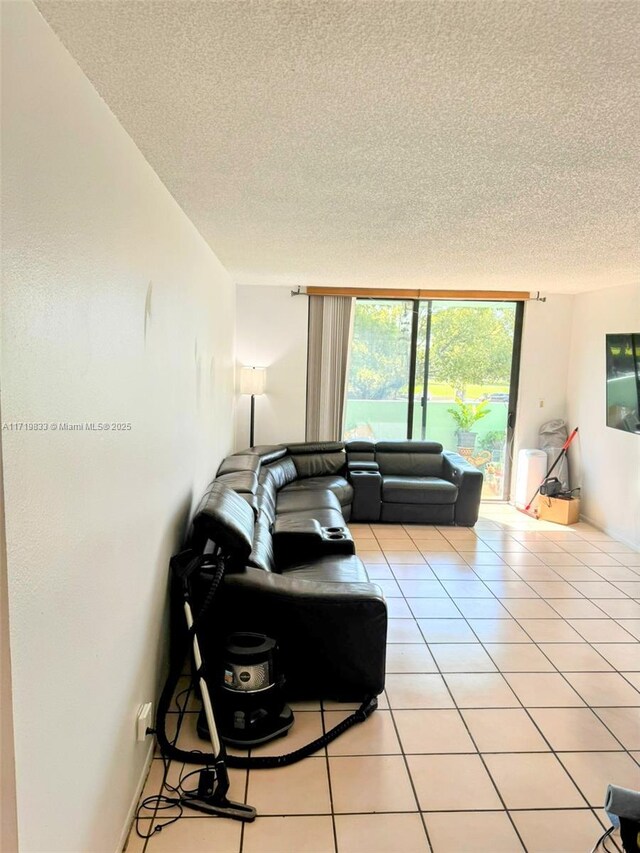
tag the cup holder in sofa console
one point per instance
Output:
(337, 540)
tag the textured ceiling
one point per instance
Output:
(433, 144)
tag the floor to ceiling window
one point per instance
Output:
(438, 370)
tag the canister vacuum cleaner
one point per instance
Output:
(250, 704)
(249, 699)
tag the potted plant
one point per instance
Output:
(466, 415)
(494, 442)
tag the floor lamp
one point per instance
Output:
(253, 381)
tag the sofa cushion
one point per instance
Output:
(335, 483)
(334, 569)
(418, 490)
(409, 464)
(306, 499)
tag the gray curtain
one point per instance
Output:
(330, 324)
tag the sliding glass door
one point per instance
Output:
(379, 366)
(442, 371)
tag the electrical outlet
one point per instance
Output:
(144, 721)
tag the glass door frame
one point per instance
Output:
(514, 379)
(514, 388)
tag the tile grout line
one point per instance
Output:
(535, 643)
(499, 795)
(563, 675)
(588, 705)
(411, 781)
(328, 769)
(406, 766)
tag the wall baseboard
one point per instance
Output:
(132, 808)
(611, 531)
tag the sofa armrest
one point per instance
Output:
(332, 636)
(468, 479)
(300, 539)
(367, 495)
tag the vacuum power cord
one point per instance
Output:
(601, 841)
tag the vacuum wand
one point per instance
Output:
(562, 453)
(211, 797)
(204, 690)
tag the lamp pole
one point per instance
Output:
(253, 381)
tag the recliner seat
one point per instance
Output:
(412, 482)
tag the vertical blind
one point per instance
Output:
(330, 324)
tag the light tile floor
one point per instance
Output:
(511, 702)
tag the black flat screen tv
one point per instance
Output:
(623, 382)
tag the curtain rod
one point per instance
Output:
(389, 293)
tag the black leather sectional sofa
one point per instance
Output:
(280, 514)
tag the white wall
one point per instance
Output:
(271, 332)
(609, 459)
(115, 310)
(544, 361)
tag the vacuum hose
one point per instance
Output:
(264, 762)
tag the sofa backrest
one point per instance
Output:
(243, 482)
(318, 458)
(410, 458)
(265, 452)
(242, 462)
(225, 519)
(267, 495)
(361, 450)
(256, 475)
(261, 556)
(282, 472)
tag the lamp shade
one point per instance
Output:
(253, 380)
